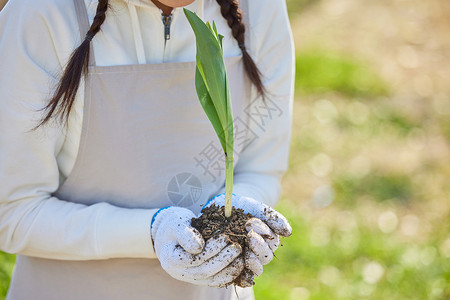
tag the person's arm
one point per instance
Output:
(32, 222)
(264, 160)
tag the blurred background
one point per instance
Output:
(368, 186)
(369, 180)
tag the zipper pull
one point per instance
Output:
(167, 20)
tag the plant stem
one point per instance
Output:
(228, 184)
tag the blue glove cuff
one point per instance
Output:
(154, 216)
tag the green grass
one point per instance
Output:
(321, 71)
(296, 6)
(379, 186)
(6, 266)
(352, 263)
(384, 231)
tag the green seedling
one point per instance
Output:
(213, 92)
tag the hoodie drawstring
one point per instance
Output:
(200, 9)
(138, 41)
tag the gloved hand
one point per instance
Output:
(183, 254)
(264, 232)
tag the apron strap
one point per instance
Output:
(83, 25)
(243, 5)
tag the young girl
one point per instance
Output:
(106, 153)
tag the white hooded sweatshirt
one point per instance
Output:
(36, 40)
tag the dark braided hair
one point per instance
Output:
(232, 13)
(62, 101)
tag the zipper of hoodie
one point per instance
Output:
(167, 21)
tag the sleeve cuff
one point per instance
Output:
(125, 232)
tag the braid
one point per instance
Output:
(64, 96)
(231, 12)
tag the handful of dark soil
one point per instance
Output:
(213, 222)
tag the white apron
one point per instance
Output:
(133, 116)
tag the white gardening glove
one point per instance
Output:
(264, 231)
(183, 254)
